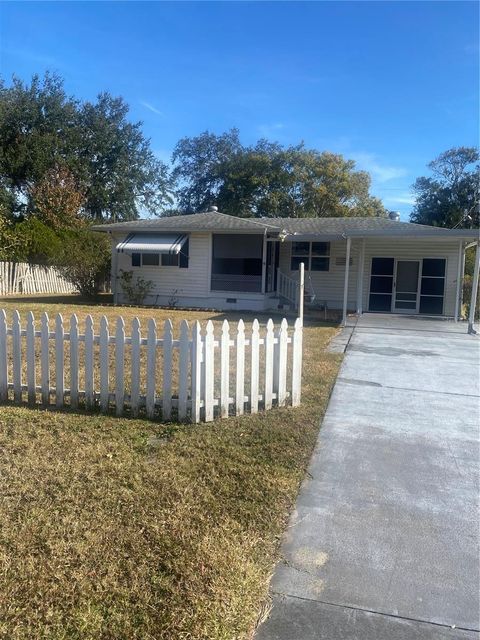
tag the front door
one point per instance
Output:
(406, 286)
(273, 251)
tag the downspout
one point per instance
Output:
(461, 254)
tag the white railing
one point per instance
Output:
(287, 287)
(198, 376)
(24, 278)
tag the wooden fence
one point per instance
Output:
(21, 277)
(198, 376)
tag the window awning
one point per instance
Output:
(171, 243)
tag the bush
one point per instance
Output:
(135, 290)
(467, 294)
(84, 260)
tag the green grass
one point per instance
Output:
(125, 529)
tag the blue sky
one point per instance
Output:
(389, 84)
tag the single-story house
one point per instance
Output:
(214, 260)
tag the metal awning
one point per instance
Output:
(171, 243)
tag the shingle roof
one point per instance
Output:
(331, 227)
(209, 221)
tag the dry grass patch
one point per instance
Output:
(120, 529)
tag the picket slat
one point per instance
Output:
(195, 367)
(269, 338)
(254, 364)
(151, 364)
(119, 366)
(59, 362)
(297, 362)
(31, 359)
(183, 367)
(225, 370)
(135, 366)
(45, 359)
(104, 364)
(196, 370)
(3, 356)
(74, 362)
(240, 380)
(209, 371)
(20, 277)
(167, 370)
(282, 363)
(89, 381)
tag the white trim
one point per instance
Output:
(360, 276)
(459, 280)
(473, 298)
(345, 284)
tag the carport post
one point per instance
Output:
(345, 284)
(473, 299)
(459, 281)
(360, 273)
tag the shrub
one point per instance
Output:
(467, 295)
(84, 260)
(135, 290)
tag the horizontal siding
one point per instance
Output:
(415, 249)
(173, 281)
(327, 285)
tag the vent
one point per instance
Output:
(394, 215)
(341, 261)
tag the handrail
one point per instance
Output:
(287, 287)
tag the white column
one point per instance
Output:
(345, 285)
(360, 275)
(113, 269)
(459, 281)
(473, 299)
(264, 263)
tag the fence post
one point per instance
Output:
(183, 365)
(301, 291)
(297, 362)
(167, 370)
(104, 362)
(282, 363)
(119, 366)
(59, 359)
(89, 383)
(209, 371)
(254, 370)
(196, 370)
(225, 370)
(151, 364)
(135, 371)
(3, 357)
(45, 358)
(240, 386)
(269, 337)
(31, 358)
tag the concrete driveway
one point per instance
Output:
(384, 540)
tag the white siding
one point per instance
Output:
(328, 285)
(415, 249)
(173, 281)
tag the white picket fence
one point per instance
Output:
(198, 376)
(21, 277)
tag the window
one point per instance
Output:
(237, 262)
(315, 255)
(432, 287)
(163, 259)
(169, 259)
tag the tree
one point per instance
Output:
(108, 157)
(450, 196)
(268, 179)
(57, 199)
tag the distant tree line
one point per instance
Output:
(67, 163)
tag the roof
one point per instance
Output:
(325, 228)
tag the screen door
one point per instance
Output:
(406, 286)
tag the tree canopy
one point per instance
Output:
(268, 179)
(451, 195)
(104, 159)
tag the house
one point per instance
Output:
(214, 260)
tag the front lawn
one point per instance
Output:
(121, 529)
